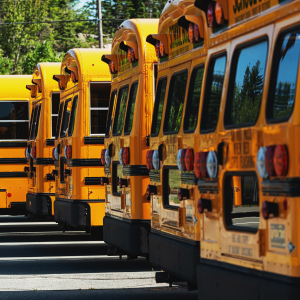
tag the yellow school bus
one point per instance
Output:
(84, 83)
(182, 46)
(248, 154)
(127, 208)
(45, 102)
(15, 108)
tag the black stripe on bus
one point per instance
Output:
(12, 174)
(93, 140)
(135, 170)
(92, 180)
(17, 160)
(13, 144)
(208, 186)
(50, 142)
(43, 161)
(284, 187)
(91, 162)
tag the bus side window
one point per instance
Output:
(31, 121)
(73, 116)
(66, 118)
(245, 91)
(109, 116)
(159, 105)
(61, 107)
(55, 98)
(32, 132)
(213, 93)
(14, 118)
(130, 108)
(37, 121)
(120, 110)
(99, 101)
(174, 109)
(284, 73)
(193, 101)
(171, 184)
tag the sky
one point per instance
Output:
(82, 2)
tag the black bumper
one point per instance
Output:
(224, 283)
(74, 214)
(176, 257)
(39, 204)
(17, 208)
(131, 238)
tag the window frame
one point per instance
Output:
(168, 97)
(273, 78)
(76, 97)
(36, 131)
(226, 212)
(65, 107)
(165, 188)
(110, 111)
(208, 82)
(129, 101)
(18, 121)
(60, 110)
(96, 108)
(53, 115)
(114, 179)
(185, 121)
(115, 123)
(232, 75)
(155, 108)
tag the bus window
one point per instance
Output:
(109, 117)
(213, 93)
(159, 105)
(31, 120)
(55, 98)
(61, 107)
(117, 174)
(245, 92)
(120, 111)
(73, 116)
(37, 121)
(99, 100)
(171, 178)
(66, 118)
(32, 132)
(193, 102)
(14, 120)
(173, 113)
(241, 202)
(284, 77)
(130, 108)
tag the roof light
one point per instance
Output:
(191, 33)
(189, 159)
(103, 156)
(155, 160)
(260, 162)
(212, 164)
(129, 54)
(149, 162)
(210, 15)
(219, 13)
(280, 160)
(269, 160)
(269, 210)
(157, 49)
(73, 77)
(196, 33)
(162, 49)
(125, 156)
(107, 157)
(60, 85)
(112, 68)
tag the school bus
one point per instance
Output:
(127, 208)
(45, 102)
(84, 83)
(15, 108)
(181, 45)
(247, 156)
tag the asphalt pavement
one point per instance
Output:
(39, 262)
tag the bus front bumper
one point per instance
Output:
(217, 280)
(130, 236)
(72, 213)
(178, 257)
(39, 204)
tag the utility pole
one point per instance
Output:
(100, 25)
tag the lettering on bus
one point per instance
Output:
(239, 238)
(277, 236)
(244, 9)
(236, 250)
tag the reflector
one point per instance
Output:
(125, 156)
(69, 151)
(149, 163)
(33, 152)
(189, 160)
